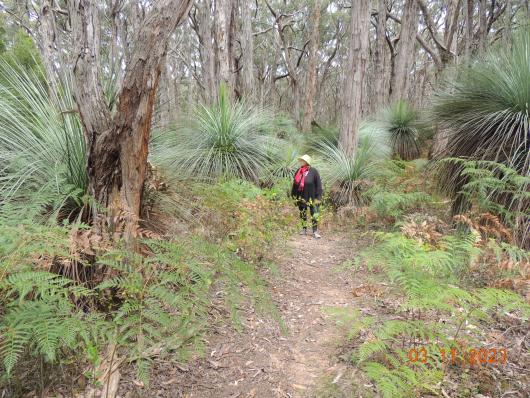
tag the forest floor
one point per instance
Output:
(295, 356)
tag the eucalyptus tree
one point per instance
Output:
(405, 51)
(312, 67)
(118, 141)
(115, 105)
(354, 75)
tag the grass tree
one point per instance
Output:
(348, 174)
(42, 148)
(401, 123)
(484, 114)
(228, 139)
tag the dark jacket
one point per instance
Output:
(312, 187)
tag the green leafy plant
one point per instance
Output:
(492, 187)
(285, 161)
(402, 125)
(142, 305)
(223, 140)
(248, 218)
(483, 114)
(387, 203)
(321, 135)
(349, 176)
(428, 276)
(42, 148)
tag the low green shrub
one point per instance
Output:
(402, 124)
(225, 140)
(436, 314)
(250, 220)
(42, 147)
(66, 296)
(348, 177)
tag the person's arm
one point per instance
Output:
(318, 186)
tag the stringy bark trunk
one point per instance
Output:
(247, 52)
(380, 56)
(207, 52)
(483, 25)
(311, 82)
(222, 36)
(47, 33)
(118, 144)
(405, 51)
(354, 75)
(507, 36)
(468, 40)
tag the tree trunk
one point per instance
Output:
(354, 75)
(47, 37)
(507, 36)
(165, 96)
(380, 56)
(483, 26)
(118, 144)
(468, 40)
(222, 36)
(247, 52)
(311, 82)
(450, 32)
(290, 64)
(207, 52)
(405, 51)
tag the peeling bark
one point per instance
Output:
(222, 36)
(247, 52)
(118, 144)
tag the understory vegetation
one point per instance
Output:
(72, 302)
(448, 237)
(458, 283)
(458, 275)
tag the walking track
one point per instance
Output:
(264, 360)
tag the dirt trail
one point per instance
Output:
(262, 361)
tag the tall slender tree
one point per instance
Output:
(507, 23)
(247, 51)
(405, 51)
(380, 55)
(483, 25)
(468, 36)
(354, 75)
(223, 13)
(203, 26)
(311, 81)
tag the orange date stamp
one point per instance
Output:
(453, 356)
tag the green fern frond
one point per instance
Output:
(13, 342)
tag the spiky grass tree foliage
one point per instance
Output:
(286, 161)
(484, 114)
(320, 134)
(227, 139)
(42, 148)
(401, 122)
(348, 175)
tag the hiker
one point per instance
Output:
(307, 190)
